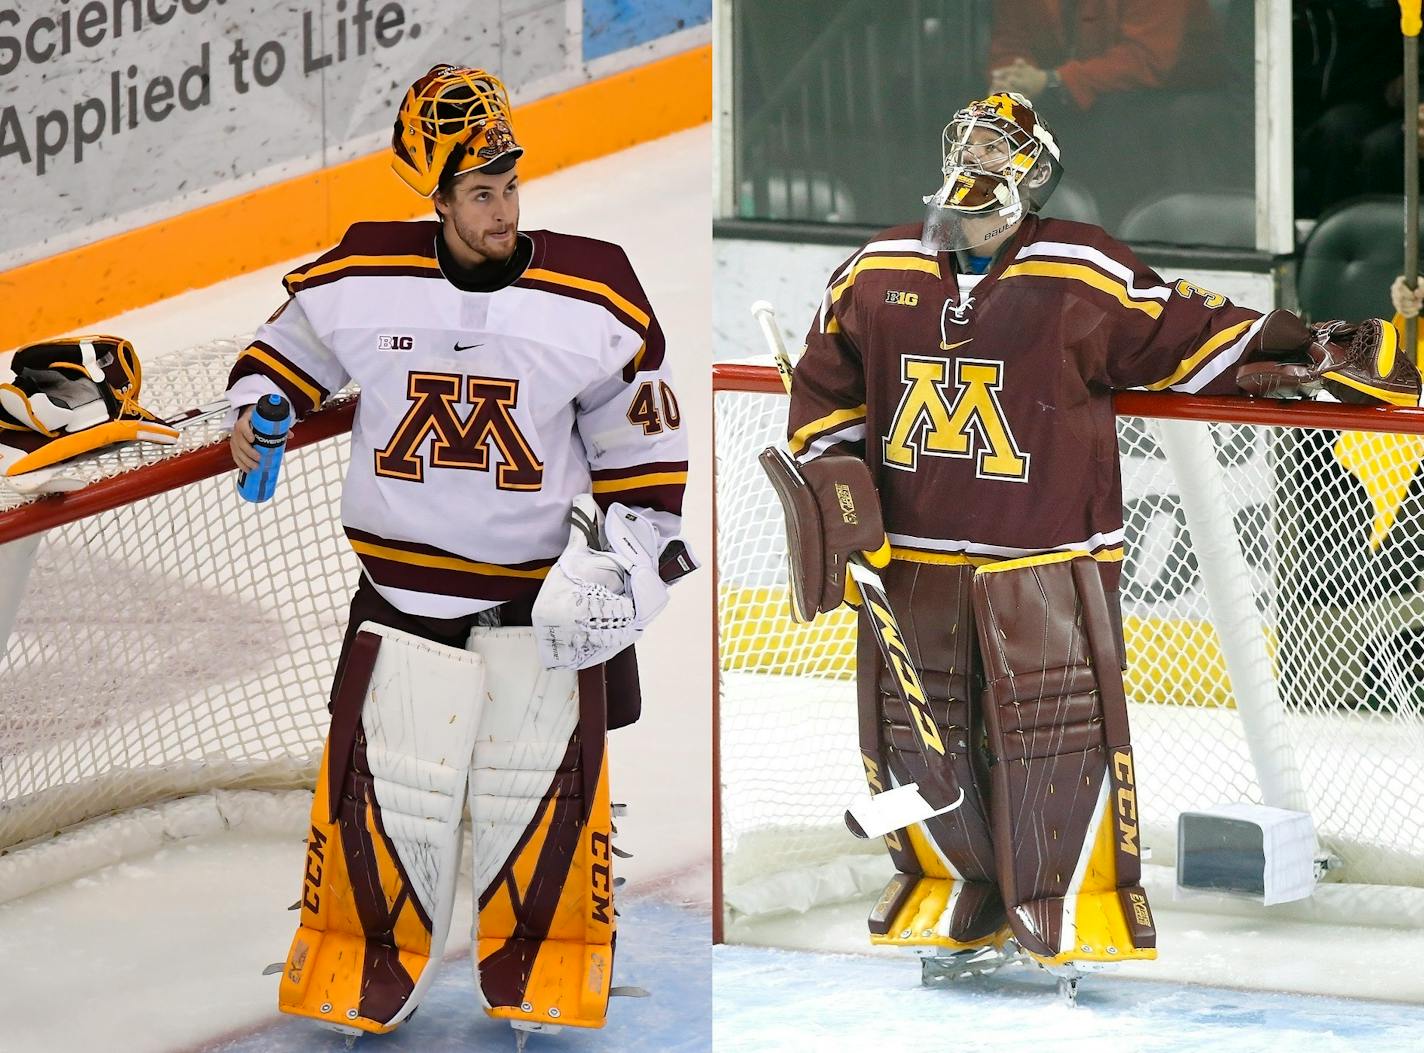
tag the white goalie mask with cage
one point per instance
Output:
(999, 159)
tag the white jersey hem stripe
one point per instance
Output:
(1110, 539)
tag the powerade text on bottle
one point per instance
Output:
(271, 420)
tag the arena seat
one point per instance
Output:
(1350, 258)
(1218, 218)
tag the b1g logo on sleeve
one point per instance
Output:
(967, 421)
(461, 441)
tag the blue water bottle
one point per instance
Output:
(271, 420)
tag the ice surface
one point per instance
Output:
(768, 1001)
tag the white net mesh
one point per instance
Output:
(181, 643)
(1323, 539)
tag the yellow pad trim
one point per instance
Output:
(1100, 929)
(915, 922)
(572, 970)
(1394, 398)
(1043, 559)
(90, 439)
(326, 964)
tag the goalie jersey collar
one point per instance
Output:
(488, 277)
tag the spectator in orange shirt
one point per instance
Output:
(1140, 81)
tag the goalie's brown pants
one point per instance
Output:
(368, 605)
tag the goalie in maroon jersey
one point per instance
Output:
(970, 361)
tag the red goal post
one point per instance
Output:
(1274, 611)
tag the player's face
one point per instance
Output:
(482, 216)
(987, 150)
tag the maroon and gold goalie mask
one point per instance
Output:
(452, 120)
(998, 154)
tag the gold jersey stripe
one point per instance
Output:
(961, 559)
(597, 288)
(464, 566)
(277, 367)
(425, 262)
(939, 559)
(1106, 555)
(637, 482)
(823, 424)
(1088, 276)
(884, 263)
(1202, 353)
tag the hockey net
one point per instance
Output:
(1289, 538)
(170, 638)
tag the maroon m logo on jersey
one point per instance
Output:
(461, 441)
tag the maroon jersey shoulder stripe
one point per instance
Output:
(262, 359)
(597, 272)
(408, 243)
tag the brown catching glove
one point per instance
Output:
(1361, 363)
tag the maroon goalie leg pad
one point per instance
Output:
(1064, 806)
(945, 893)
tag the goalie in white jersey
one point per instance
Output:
(506, 377)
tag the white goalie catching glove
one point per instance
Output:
(604, 589)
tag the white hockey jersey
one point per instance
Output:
(481, 414)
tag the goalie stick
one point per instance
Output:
(934, 792)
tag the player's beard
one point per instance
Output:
(480, 241)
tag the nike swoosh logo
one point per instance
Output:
(950, 347)
(467, 347)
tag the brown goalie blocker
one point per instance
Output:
(832, 515)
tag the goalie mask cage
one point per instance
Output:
(166, 638)
(1273, 602)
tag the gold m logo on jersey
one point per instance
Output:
(966, 421)
(461, 441)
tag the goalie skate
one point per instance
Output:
(940, 967)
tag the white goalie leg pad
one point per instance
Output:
(529, 717)
(538, 958)
(385, 832)
(421, 716)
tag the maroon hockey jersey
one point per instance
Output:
(984, 405)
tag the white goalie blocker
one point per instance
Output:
(603, 591)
